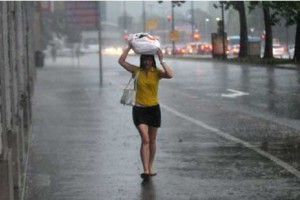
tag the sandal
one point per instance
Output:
(145, 176)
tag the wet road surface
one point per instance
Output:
(85, 146)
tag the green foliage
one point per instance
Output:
(289, 10)
(175, 3)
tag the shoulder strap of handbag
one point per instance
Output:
(133, 78)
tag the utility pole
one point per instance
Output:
(223, 31)
(144, 17)
(193, 19)
(124, 10)
(173, 4)
(173, 28)
(100, 45)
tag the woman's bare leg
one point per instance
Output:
(152, 147)
(144, 151)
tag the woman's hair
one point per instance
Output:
(143, 57)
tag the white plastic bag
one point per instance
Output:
(144, 43)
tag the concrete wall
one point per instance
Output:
(17, 77)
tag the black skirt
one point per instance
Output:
(147, 115)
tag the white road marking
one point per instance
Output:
(234, 94)
(227, 136)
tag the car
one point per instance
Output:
(90, 48)
(167, 49)
(234, 49)
(192, 47)
(199, 48)
(65, 50)
(278, 50)
(291, 50)
(180, 49)
(113, 50)
(205, 48)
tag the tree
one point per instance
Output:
(240, 7)
(175, 3)
(268, 53)
(290, 10)
(269, 21)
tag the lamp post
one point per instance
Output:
(173, 28)
(173, 4)
(164, 28)
(125, 24)
(100, 45)
(192, 18)
(144, 17)
(206, 21)
(223, 31)
(124, 11)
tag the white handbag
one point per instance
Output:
(129, 92)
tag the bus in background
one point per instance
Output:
(234, 45)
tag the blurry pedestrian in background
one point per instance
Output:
(146, 111)
(53, 51)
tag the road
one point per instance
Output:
(228, 132)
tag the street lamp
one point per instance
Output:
(252, 30)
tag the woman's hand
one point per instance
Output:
(122, 60)
(167, 72)
(160, 55)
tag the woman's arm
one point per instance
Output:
(129, 67)
(167, 73)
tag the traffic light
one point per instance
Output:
(169, 17)
(125, 36)
(263, 36)
(196, 36)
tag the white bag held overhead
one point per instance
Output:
(144, 43)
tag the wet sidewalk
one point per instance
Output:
(84, 146)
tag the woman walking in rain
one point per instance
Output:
(146, 111)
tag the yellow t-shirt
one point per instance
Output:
(147, 86)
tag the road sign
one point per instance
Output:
(174, 36)
(46, 6)
(151, 25)
(82, 14)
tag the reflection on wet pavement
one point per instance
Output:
(86, 147)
